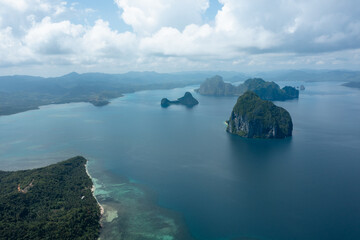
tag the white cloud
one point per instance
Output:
(174, 35)
(101, 41)
(47, 37)
(228, 36)
(18, 5)
(61, 8)
(147, 17)
(12, 50)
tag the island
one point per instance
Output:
(216, 86)
(53, 202)
(253, 117)
(352, 84)
(188, 100)
(99, 102)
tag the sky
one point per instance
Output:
(51, 38)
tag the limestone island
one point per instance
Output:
(188, 100)
(53, 202)
(253, 117)
(216, 86)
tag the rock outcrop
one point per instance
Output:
(253, 117)
(215, 86)
(187, 100)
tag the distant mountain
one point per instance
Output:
(352, 84)
(253, 117)
(311, 75)
(21, 93)
(216, 86)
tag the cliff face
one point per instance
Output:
(269, 90)
(187, 100)
(215, 86)
(253, 117)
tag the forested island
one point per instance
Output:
(54, 202)
(253, 117)
(216, 86)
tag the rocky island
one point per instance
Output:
(253, 117)
(54, 202)
(216, 86)
(187, 100)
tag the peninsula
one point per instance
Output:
(253, 117)
(54, 202)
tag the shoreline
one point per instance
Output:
(102, 211)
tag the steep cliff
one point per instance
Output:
(253, 117)
(215, 86)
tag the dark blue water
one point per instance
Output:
(224, 186)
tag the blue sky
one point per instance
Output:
(50, 37)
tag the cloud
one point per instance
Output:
(19, 5)
(100, 41)
(176, 35)
(262, 26)
(12, 50)
(67, 43)
(147, 17)
(51, 38)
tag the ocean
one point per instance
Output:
(175, 173)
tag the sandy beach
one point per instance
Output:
(93, 191)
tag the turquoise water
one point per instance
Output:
(168, 173)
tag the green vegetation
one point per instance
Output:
(215, 86)
(22, 93)
(268, 90)
(187, 100)
(256, 118)
(53, 202)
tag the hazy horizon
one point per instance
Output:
(215, 72)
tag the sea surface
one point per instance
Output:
(176, 173)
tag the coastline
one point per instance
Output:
(102, 211)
